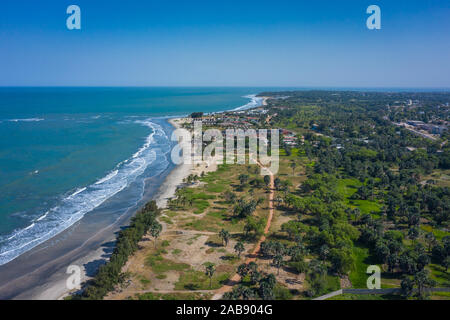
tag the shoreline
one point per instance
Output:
(174, 178)
(56, 289)
(166, 191)
(40, 274)
(47, 281)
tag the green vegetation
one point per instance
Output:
(109, 275)
(176, 251)
(358, 275)
(198, 280)
(161, 265)
(369, 197)
(354, 190)
(145, 281)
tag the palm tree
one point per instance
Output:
(243, 178)
(183, 200)
(242, 270)
(446, 263)
(431, 240)
(413, 233)
(267, 181)
(260, 201)
(356, 213)
(407, 287)
(293, 165)
(278, 262)
(422, 280)
(239, 248)
(255, 276)
(225, 235)
(210, 270)
(278, 200)
(155, 230)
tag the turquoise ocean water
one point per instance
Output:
(65, 151)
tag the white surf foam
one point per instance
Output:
(74, 207)
(254, 103)
(76, 192)
(26, 120)
(108, 177)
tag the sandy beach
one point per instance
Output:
(46, 280)
(264, 102)
(40, 274)
(176, 176)
(56, 288)
(174, 179)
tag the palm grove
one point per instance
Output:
(350, 136)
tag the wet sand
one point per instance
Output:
(40, 274)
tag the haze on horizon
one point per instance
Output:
(227, 43)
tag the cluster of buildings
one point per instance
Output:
(246, 119)
(237, 120)
(430, 128)
(289, 137)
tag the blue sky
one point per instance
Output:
(225, 43)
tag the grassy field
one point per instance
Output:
(218, 214)
(358, 275)
(190, 237)
(439, 275)
(197, 280)
(333, 283)
(160, 265)
(439, 234)
(347, 187)
(441, 177)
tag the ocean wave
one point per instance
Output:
(75, 206)
(108, 177)
(76, 192)
(254, 103)
(26, 120)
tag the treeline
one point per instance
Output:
(368, 100)
(196, 115)
(110, 274)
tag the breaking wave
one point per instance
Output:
(75, 206)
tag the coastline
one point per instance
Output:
(166, 191)
(174, 178)
(55, 288)
(40, 274)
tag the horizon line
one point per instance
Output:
(226, 86)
